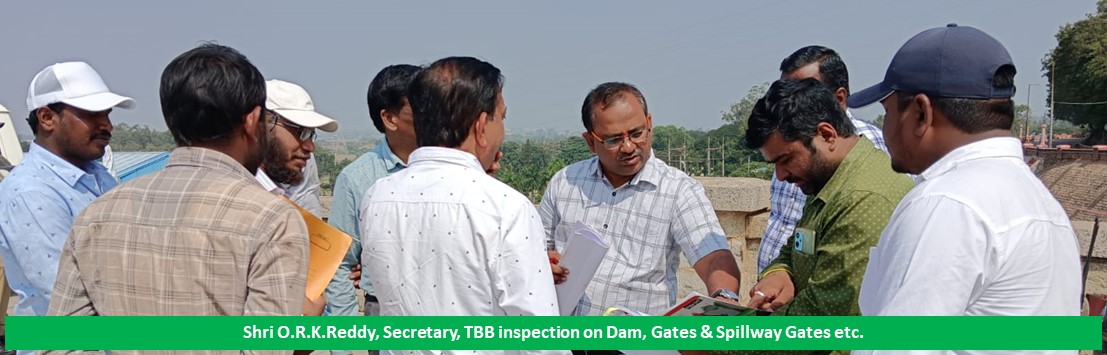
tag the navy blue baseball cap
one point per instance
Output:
(952, 61)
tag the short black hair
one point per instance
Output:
(32, 118)
(976, 115)
(449, 95)
(388, 90)
(206, 91)
(605, 95)
(795, 108)
(832, 70)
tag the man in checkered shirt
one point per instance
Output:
(648, 212)
(786, 199)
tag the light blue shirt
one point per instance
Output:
(39, 201)
(349, 189)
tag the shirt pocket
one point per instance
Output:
(644, 244)
(803, 265)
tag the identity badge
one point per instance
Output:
(805, 241)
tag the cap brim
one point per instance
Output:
(101, 102)
(868, 96)
(310, 119)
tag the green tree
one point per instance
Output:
(572, 149)
(879, 121)
(739, 112)
(328, 169)
(527, 166)
(1022, 112)
(733, 133)
(140, 138)
(1078, 68)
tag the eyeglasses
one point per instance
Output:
(300, 132)
(637, 136)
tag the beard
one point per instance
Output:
(819, 174)
(276, 164)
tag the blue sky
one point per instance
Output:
(691, 59)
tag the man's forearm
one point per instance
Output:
(718, 270)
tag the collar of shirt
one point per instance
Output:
(387, 156)
(650, 173)
(999, 147)
(267, 183)
(205, 158)
(856, 122)
(453, 156)
(66, 171)
(854, 160)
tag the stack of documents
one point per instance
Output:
(583, 254)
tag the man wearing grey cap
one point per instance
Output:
(69, 106)
(979, 234)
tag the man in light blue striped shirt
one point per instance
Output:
(786, 200)
(391, 115)
(648, 212)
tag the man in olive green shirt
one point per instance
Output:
(851, 188)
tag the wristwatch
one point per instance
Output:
(725, 293)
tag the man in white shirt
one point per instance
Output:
(979, 234)
(442, 237)
(306, 193)
(291, 144)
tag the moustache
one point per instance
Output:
(625, 156)
(102, 135)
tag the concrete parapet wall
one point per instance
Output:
(742, 205)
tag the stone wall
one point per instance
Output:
(742, 205)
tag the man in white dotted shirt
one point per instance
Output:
(442, 237)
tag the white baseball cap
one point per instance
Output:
(75, 84)
(293, 103)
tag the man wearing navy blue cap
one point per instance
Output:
(979, 234)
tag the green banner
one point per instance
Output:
(542, 333)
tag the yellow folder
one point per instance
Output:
(328, 248)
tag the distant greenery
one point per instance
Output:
(140, 138)
(328, 169)
(529, 164)
(1080, 60)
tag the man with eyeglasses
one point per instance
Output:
(646, 210)
(292, 122)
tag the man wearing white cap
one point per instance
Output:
(69, 106)
(290, 146)
(292, 143)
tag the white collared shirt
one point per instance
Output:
(979, 235)
(443, 238)
(267, 183)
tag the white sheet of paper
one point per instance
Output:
(582, 255)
